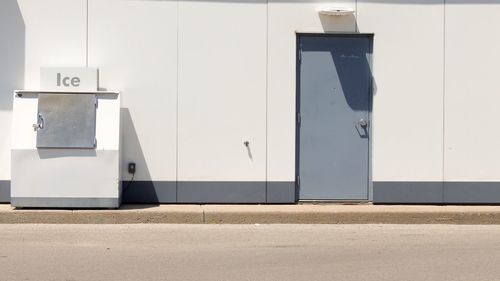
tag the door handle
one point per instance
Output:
(40, 123)
(363, 123)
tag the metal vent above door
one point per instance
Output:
(66, 121)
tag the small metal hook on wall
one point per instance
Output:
(247, 145)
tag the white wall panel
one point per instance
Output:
(11, 74)
(286, 18)
(5, 143)
(222, 90)
(134, 45)
(408, 97)
(55, 33)
(472, 151)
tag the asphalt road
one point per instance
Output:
(249, 252)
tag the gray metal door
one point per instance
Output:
(334, 104)
(66, 121)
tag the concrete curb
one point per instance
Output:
(129, 214)
(264, 214)
(361, 214)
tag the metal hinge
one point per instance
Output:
(95, 102)
(299, 119)
(298, 181)
(300, 53)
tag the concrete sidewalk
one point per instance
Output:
(250, 214)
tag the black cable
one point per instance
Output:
(129, 183)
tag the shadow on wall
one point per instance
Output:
(12, 48)
(141, 189)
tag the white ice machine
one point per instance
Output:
(66, 148)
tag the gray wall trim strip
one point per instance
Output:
(282, 192)
(221, 192)
(408, 192)
(471, 193)
(4, 191)
(208, 192)
(436, 192)
(189, 192)
(48, 202)
(149, 192)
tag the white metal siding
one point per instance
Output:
(222, 90)
(55, 32)
(408, 88)
(219, 73)
(134, 45)
(472, 150)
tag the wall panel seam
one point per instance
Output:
(177, 108)
(267, 96)
(87, 35)
(444, 99)
(356, 27)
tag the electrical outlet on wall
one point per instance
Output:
(131, 168)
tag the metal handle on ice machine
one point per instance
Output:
(40, 123)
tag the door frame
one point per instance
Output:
(299, 35)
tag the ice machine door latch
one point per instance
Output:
(40, 123)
